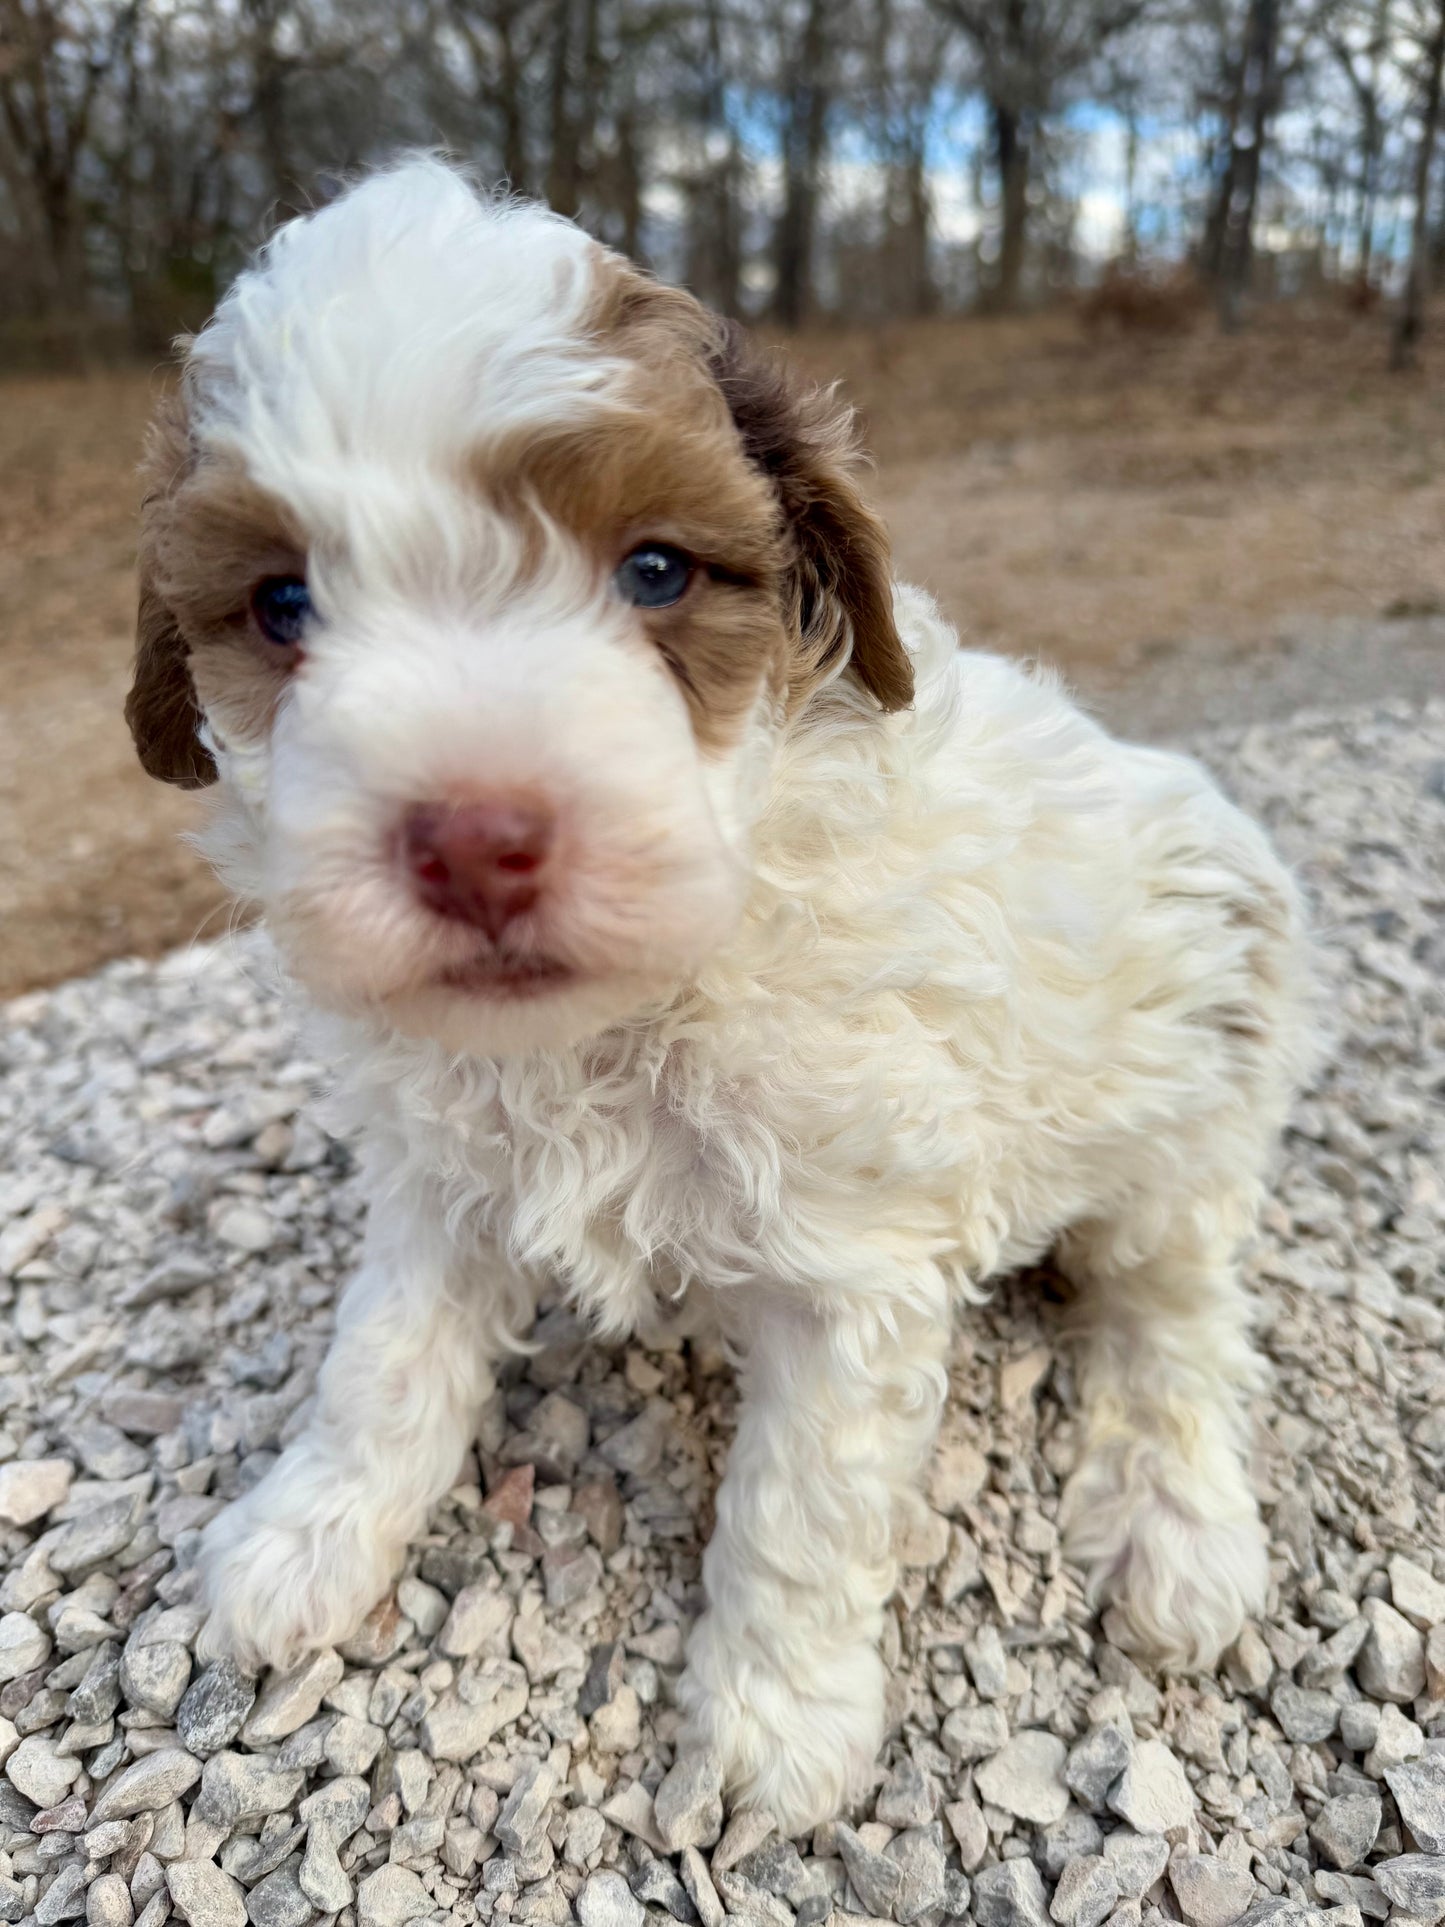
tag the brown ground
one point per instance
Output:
(1158, 516)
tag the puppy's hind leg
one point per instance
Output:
(1159, 1511)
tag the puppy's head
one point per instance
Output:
(483, 571)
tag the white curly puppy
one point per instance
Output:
(692, 910)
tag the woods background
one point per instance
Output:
(789, 159)
(1116, 286)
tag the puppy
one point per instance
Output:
(690, 910)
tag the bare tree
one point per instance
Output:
(713, 176)
(1256, 99)
(1360, 40)
(1031, 54)
(54, 57)
(1410, 320)
(806, 52)
(780, 155)
(501, 38)
(908, 69)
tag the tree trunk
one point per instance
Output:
(1369, 193)
(922, 294)
(514, 132)
(714, 240)
(1410, 321)
(1011, 162)
(563, 159)
(804, 129)
(1211, 244)
(629, 185)
(268, 103)
(1259, 89)
(1129, 237)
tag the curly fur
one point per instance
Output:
(955, 983)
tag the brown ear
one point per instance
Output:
(804, 441)
(161, 708)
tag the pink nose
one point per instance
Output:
(481, 863)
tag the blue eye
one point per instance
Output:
(282, 605)
(654, 576)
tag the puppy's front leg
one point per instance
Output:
(302, 1557)
(784, 1683)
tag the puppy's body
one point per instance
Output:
(897, 998)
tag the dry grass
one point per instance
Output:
(1081, 500)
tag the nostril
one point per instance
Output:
(478, 861)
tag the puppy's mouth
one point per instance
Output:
(494, 976)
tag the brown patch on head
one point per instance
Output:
(665, 467)
(799, 439)
(207, 536)
(726, 454)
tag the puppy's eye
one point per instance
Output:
(282, 607)
(654, 576)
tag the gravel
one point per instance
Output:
(500, 1741)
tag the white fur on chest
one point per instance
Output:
(982, 965)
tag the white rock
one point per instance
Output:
(245, 1227)
(969, 1828)
(630, 1808)
(40, 1773)
(148, 1785)
(108, 1902)
(974, 1732)
(1025, 1778)
(1391, 1665)
(455, 1729)
(1010, 1894)
(688, 1804)
(1209, 1891)
(1138, 1860)
(322, 1877)
(1086, 1894)
(606, 1900)
(920, 1536)
(700, 1889)
(203, 1895)
(1415, 1882)
(1416, 1593)
(423, 1605)
(479, 1620)
(237, 1787)
(390, 1897)
(1419, 1791)
(288, 1700)
(29, 1488)
(22, 1645)
(155, 1676)
(958, 1472)
(616, 1727)
(1392, 1736)
(1153, 1794)
(524, 1812)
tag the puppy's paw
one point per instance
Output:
(279, 1586)
(1180, 1552)
(796, 1741)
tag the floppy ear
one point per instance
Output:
(161, 708)
(803, 439)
